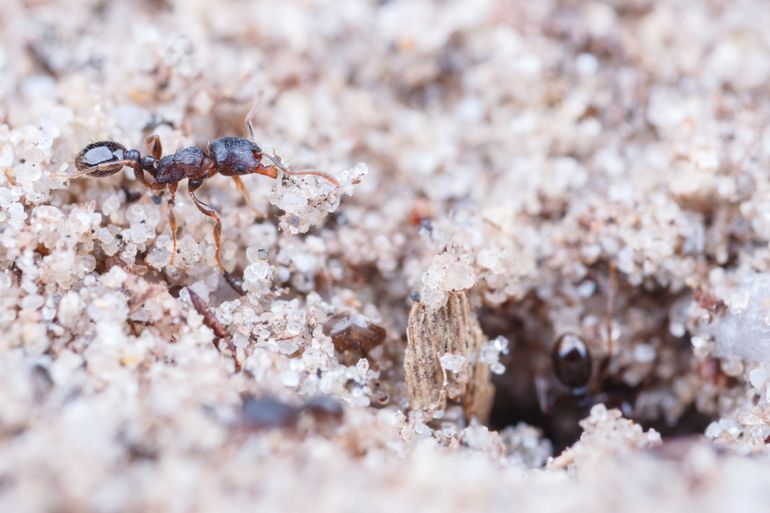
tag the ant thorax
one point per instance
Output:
(186, 163)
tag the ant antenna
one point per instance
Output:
(255, 107)
(258, 104)
(321, 174)
(613, 278)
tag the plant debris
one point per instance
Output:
(442, 359)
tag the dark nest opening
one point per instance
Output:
(644, 392)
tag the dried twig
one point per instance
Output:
(210, 320)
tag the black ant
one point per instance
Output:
(574, 367)
(228, 156)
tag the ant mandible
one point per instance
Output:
(228, 156)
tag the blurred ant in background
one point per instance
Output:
(574, 367)
(555, 374)
(576, 380)
(228, 156)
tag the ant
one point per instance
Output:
(573, 366)
(228, 156)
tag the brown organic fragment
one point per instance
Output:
(351, 331)
(210, 320)
(454, 330)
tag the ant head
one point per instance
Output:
(92, 159)
(572, 361)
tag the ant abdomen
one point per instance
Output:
(572, 362)
(94, 159)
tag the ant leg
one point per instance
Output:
(208, 210)
(172, 219)
(154, 147)
(611, 286)
(544, 394)
(139, 175)
(246, 196)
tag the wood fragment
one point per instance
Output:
(451, 329)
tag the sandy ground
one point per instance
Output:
(554, 167)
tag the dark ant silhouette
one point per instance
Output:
(228, 156)
(573, 366)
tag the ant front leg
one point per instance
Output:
(206, 209)
(246, 196)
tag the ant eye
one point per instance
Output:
(98, 154)
(571, 361)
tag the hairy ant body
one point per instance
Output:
(228, 156)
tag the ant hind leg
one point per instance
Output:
(208, 210)
(156, 150)
(139, 175)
